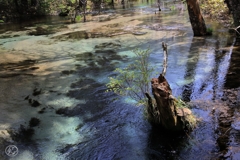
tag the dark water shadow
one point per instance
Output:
(233, 78)
(165, 145)
(22, 25)
(191, 66)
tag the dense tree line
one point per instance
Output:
(19, 8)
(10, 9)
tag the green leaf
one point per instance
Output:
(61, 6)
(73, 1)
(78, 18)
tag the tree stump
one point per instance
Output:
(165, 110)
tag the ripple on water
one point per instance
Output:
(236, 125)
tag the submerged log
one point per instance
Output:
(165, 110)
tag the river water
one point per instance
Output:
(53, 76)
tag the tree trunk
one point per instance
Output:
(165, 54)
(34, 3)
(112, 3)
(84, 11)
(24, 5)
(82, 7)
(196, 18)
(159, 8)
(99, 6)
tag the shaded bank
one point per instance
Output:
(234, 8)
(232, 78)
(10, 10)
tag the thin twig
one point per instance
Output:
(236, 29)
(164, 46)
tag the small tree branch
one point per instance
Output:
(236, 29)
(164, 46)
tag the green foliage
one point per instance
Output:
(65, 6)
(134, 80)
(71, 8)
(180, 103)
(1, 21)
(62, 6)
(216, 10)
(209, 31)
(190, 120)
(173, 7)
(108, 1)
(73, 1)
(78, 18)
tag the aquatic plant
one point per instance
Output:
(209, 31)
(134, 80)
(180, 103)
(190, 120)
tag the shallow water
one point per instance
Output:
(79, 120)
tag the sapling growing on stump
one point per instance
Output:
(164, 109)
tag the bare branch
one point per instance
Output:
(236, 29)
(164, 46)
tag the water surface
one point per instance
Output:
(66, 72)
